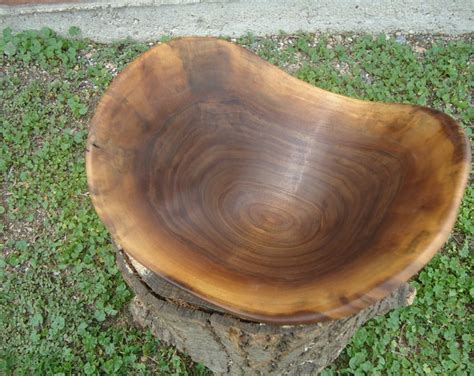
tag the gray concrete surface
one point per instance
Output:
(107, 20)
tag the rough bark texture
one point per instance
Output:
(229, 345)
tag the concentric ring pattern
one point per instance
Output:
(271, 198)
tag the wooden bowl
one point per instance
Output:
(271, 198)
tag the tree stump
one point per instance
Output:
(230, 345)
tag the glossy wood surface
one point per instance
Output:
(271, 198)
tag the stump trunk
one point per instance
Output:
(233, 346)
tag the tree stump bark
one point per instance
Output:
(233, 346)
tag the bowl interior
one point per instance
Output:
(262, 194)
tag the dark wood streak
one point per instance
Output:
(143, 123)
(268, 197)
(452, 131)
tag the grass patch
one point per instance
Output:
(62, 298)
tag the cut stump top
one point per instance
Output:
(264, 195)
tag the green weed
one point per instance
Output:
(62, 298)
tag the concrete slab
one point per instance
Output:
(107, 20)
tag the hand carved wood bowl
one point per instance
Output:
(271, 198)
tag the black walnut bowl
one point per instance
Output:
(271, 198)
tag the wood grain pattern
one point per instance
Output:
(273, 199)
